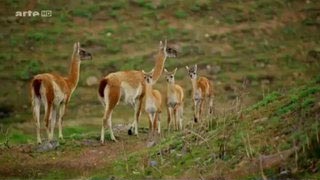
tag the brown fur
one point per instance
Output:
(206, 88)
(157, 95)
(204, 84)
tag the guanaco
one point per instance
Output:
(129, 84)
(152, 102)
(174, 101)
(202, 92)
(54, 92)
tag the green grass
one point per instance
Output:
(268, 99)
(181, 14)
(182, 152)
(13, 136)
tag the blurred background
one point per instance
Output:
(245, 47)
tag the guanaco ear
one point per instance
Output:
(143, 72)
(187, 67)
(195, 67)
(175, 70)
(75, 47)
(165, 70)
(78, 47)
(160, 45)
(151, 72)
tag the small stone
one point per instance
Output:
(47, 146)
(92, 80)
(153, 163)
(151, 144)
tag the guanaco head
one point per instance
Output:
(148, 76)
(170, 75)
(81, 53)
(192, 71)
(168, 51)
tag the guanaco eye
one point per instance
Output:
(171, 76)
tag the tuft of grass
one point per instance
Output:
(15, 136)
(86, 11)
(37, 36)
(181, 14)
(145, 4)
(267, 100)
(120, 4)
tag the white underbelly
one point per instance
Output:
(150, 106)
(197, 95)
(59, 96)
(172, 101)
(129, 93)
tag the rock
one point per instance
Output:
(260, 120)
(92, 80)
(90, 142)
(153, 163)
(260, 65)
(213, 69)
(265, 81)
(151, 144)
(47, 146)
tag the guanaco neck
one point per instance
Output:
(194, 85)
(148, 92)
(159, 65)
(73, 76)
(171, 87)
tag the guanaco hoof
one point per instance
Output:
(195, 119)
(130, 131)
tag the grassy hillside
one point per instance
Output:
(277, 138)
(263, 57)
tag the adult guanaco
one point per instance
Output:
(54, 92)
(202, 92)
(129, 84)
(174, 101)
(152, 102)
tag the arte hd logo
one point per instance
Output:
(29, 13)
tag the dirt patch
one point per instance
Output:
(77, 158)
